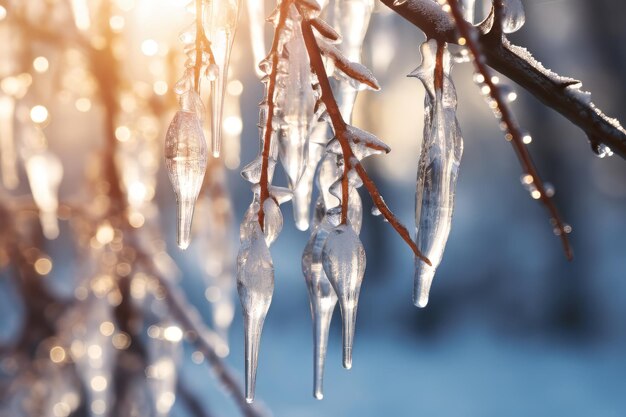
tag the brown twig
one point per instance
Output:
(271, 87)
(513, 131)
(340, 128)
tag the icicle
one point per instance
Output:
(442, 148)
(513, 16)
(256, 17)
(322, 300)
(303, 192)
(344, 264)
(351, 22)
(297, 105)
(186, 160)
(8, 154)
(220, 23)
(469, 9)
(255, 284)
(45, 172)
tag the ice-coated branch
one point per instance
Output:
(563, 94)
(514, 133)
(271, 102)
(341, 131)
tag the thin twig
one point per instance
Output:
(339, 126)
(267, 140)
(513, 131)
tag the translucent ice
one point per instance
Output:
(256, 17)
(344, 264)
(220, 22)
(273, 220)
(438, 166)
(296, 106)
(322, 300)
(351, 22)
(513, 16)
(255, 284)
(185, 160)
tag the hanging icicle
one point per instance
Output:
(296, 104)
(438, 167)
(322, 296)
(344, 264)
(220, 24)
(256, 18)
(186, 160)
(255, 284)
(351, 20)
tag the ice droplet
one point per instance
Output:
(185, 160)
(438, 166)
(344, 264)
(322, 300)
(601, 150)
(273, 221)
(255, 285)
(513, 16)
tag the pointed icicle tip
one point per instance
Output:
(423, 281)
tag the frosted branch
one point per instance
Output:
(563, 94)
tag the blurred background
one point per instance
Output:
(511, 328)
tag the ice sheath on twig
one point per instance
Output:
(442, 147)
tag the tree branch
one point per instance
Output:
(559, 93)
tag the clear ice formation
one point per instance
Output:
(304, 190)
(186, 161)
(297, 104)
(256, 18)
(351, 21)
(273, 223)
(255, 284)
(343, 258)
(220, 22)
(322, 299)
(438, 167)
(513, 17)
